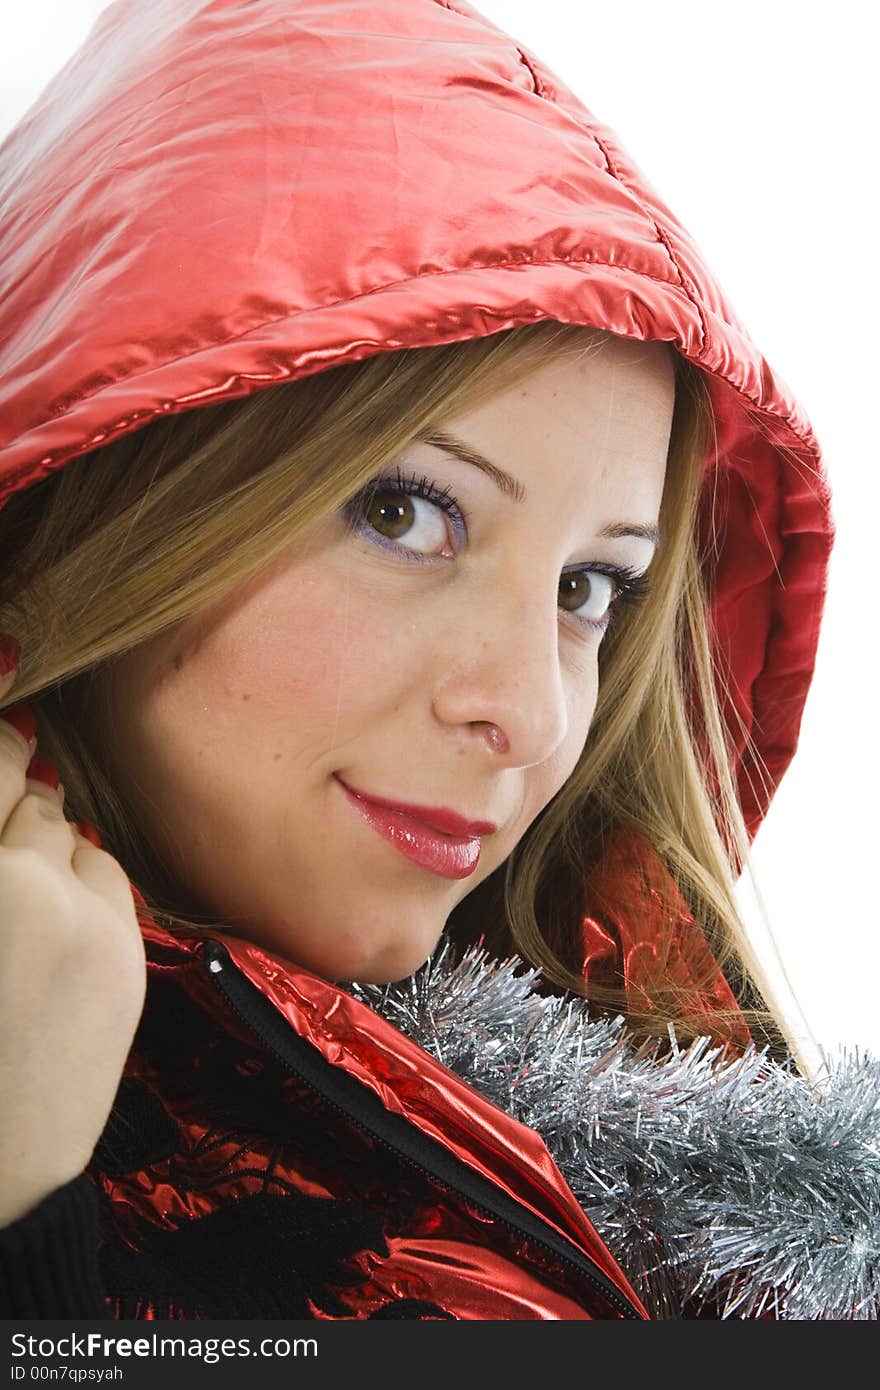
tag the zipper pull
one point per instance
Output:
(216, 956)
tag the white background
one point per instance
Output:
(755, 123)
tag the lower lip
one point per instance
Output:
(446, 855)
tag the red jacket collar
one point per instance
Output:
(407, 1079)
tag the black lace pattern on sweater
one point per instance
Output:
(275, 1252)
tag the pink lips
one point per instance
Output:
(449, 855)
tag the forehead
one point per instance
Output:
(605, 412)
(613, 381)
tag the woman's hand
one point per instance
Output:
(72, 978)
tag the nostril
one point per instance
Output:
(497, 738)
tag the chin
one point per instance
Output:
(373, 951)
(385, 963)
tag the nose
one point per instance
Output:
(501, 680)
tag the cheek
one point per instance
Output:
(314, 657)
(557, 770)
(544, 781)
(582, 689)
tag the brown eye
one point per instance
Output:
(405, 521)
(430, 519)
(391, 513)
(586, 590)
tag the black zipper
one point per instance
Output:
(363, 1108)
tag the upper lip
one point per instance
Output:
(437, 817)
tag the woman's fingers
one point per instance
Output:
(31, 807)
(32, 817)
(32, 810)
(72, 974)
(17, 745)
(105, 876)
(37, 821)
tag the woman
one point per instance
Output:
(372, 434)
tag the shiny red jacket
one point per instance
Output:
(213, 197)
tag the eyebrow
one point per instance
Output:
(511, 487)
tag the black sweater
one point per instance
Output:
(49, 1257)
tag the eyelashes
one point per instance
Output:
(629, 586)
(408, 485)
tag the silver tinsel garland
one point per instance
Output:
(724, 1187)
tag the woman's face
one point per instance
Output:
(456, 671)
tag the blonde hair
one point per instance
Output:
(141, 533)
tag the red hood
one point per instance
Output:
(214, 196)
